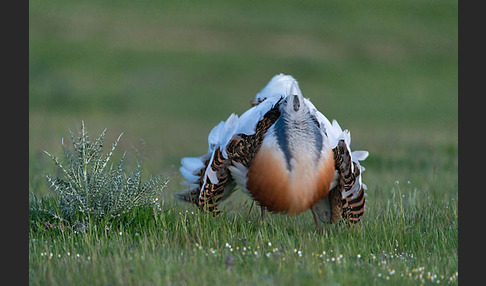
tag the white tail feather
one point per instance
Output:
(360, 155)
(194, 164)
(190, 177)
(239, 172)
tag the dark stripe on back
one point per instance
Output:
(281, 133)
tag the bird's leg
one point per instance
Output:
(262, 209)
(316, 220)
(251, 207)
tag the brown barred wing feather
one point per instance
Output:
(352, 199)
(211, 193)
(242, 148)
(209, 177)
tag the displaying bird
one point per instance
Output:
(285, 154)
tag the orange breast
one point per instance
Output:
(273, 186)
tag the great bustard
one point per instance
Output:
(285, 154)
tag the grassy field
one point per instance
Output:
(164, 73)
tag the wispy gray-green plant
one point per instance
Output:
(91, 185)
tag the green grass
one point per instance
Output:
(407, 238)
(165, 73)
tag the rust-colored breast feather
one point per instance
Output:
(291, 192)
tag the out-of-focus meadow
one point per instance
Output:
(165, 72)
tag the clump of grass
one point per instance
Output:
(92, 186)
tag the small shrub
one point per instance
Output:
(91, 186)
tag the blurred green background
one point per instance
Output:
(166, 72)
